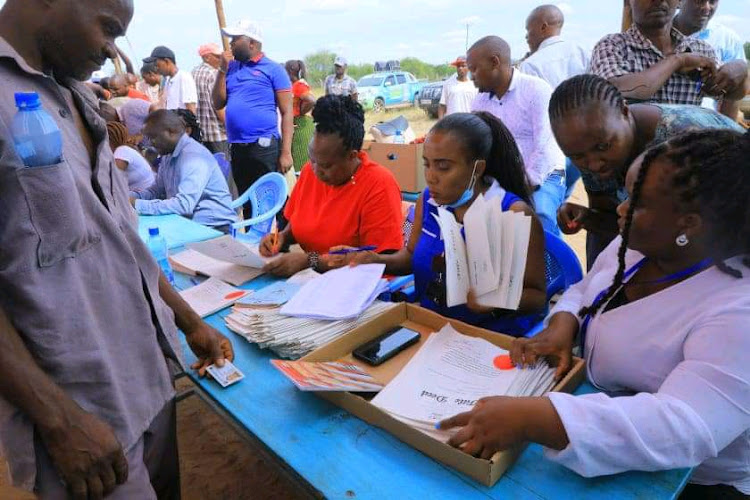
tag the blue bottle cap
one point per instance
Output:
(153, 231)
(28, 100)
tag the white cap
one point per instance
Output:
(339, 61)
(244, 28)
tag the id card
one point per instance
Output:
(226, 375)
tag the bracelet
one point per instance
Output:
(313, 260)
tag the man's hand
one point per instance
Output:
(285, 162)
(210, 346)
(571, 217)
(86, 454)
(287, 264)
(728, 80)
(226, 58)
(688, 62)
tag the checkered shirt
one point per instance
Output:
(631, 52)
(213, 130)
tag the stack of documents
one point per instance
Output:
(292, 337)
(449, 374)
(492, 259)
(274, 295)
(327, 376)
(227, 249)
(193, 263)
(339, 294)
(211, 296)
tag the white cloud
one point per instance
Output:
(565, 7)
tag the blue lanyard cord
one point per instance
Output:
(665, 279)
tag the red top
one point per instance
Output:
(136, 94)
(364, 211)
(299, 88)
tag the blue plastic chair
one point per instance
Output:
(224, 165)
(562, 269)
(266, 196)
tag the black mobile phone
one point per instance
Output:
(384, 347)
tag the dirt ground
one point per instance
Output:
(216, 462)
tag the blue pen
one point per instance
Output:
(352, 250)
(698, 85)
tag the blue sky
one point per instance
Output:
(369, 30)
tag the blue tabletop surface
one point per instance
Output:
(344, 457)
(177, 230)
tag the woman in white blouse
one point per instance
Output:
(664, 317)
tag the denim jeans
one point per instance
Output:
(547, 199)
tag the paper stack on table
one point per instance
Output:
(228, 249)
(447, 376)
(338, 294)
(327, 376)
(292, 337)
(193, 262)
(274, 295)
(491, 260)
(211, 296)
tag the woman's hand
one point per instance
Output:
(554, 342)
(349, 259)
(287, 264)
(473, 305)
(267, 247)
(571, 217)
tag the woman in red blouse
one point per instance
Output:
(341, 198)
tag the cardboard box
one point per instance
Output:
(404, 160)
(426, 322)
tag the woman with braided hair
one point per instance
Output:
(602, 135)
(663, 318)
(128, 159)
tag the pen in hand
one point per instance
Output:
(345, 251)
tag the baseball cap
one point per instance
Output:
(244, 28)
(209, 48)
(160, 52)
(339, 61)
(460, 61)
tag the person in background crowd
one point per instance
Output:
(253, 88)
(459, 92)
(553, 58)
(210, 119)
(179, 86)
(87, 321)
(466, 154)
(128, 159)
(150, 83)
(521, 102)
(133, 114)
(120, 87)
(653, 61)
(339, 83)
(342, 197)
(695, 19)
(673, 293)
(302, 104)
(192, 127)
(189, 181)
(602, 135)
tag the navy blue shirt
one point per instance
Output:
(251, 99)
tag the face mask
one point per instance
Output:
(469, 193)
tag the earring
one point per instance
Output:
(682, 240)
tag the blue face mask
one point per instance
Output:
(469, 193)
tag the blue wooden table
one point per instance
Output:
(340, 456)
(177, 230)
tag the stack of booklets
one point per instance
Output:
(293, 337)
(327, 376)
(492, 258)
(211, 296)
(449, 374)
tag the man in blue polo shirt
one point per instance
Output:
(253, 87)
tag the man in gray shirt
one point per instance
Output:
(87, 322)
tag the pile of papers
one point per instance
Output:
(342, 293)
(449, 374)
(327, 376)
(211, 296)
(227, 249)
(274, 295)
(291, 337)
(492, 259)
(193, 262)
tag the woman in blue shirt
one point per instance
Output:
(466, 154)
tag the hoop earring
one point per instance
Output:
(682, 240)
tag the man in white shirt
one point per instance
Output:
(179, 87)
(521, 102)
(459, 92)
(553, 59)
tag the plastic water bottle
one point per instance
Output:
(36, 137)
(399, 139)
(158, 247)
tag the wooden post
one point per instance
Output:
(222, 22)
(627, 16)
(118, 65)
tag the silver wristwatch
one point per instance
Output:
(313, 260)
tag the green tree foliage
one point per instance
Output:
(320, 64)
(747, 50)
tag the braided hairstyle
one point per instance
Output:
(484, 137)
(118, 135)
(297, 68)
(343, 116)
(580, 91)
(191, 122)
(712, 177)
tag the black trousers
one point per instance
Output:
(714, 492)
(250, 161)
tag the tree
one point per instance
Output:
(747, 50)
(319, 65)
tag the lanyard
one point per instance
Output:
(670, 277)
